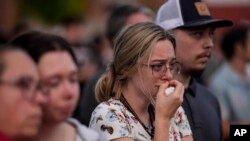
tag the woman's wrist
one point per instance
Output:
(161, 129)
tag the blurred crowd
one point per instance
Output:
(91, 39)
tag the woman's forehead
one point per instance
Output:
(162, 50)
(58, 62)
(19, 64)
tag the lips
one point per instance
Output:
(67, 110)
(36, 119)
(204, 56)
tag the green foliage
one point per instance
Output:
(53, 11)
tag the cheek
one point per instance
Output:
(13, 108)
(185, 55)
(50, 108)
(54, 94)
(53, 100)
(76, 93)
(22, 116)
(18, 115)
(186, 49)
(61, 93)
(74, 89)
(77, 88)
(150, 83)
(13, 116)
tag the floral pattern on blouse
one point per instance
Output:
(116, 121)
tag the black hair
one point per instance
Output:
(237, 34)
(36, 44)
(72, 20)
(118, 18)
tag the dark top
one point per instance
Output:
(88, 102)
(203, 113)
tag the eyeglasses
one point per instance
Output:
(159, 69)
(27, 86)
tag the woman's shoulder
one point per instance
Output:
(110, 105)
(108, 111)
(83, 133)
(180, 115)
(113, 119)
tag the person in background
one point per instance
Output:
(120, 17)
(88, 65)
(21, 95)
(73, 30)
(230, 82)
(59, 73)
(193, 27)
(125, 15)
(134, 105)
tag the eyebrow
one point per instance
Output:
(26, 77)
(164, 60)
(75, 72)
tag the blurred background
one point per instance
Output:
(83, 22)
(52, 15)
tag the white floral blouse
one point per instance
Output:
(116, 121)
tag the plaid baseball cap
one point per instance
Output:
(187, 14)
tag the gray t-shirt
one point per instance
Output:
(86, 134)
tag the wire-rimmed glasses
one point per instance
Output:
(27, 86)
(160, 69)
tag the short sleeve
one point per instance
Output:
(182, 122)
(109, 119)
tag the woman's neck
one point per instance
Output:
(139, 103)
(56, 131)
(49, 130)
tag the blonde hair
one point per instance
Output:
(133, 44)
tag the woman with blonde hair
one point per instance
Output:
(134, 105)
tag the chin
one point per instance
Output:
(29, 132)
(62, 117)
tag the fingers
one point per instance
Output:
(179, 87)
(166, 106)
(162, 88)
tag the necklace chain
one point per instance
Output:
(150, 128)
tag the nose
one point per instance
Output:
(70, 90)
(209, 41)
(41, 98)
(167, 75)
